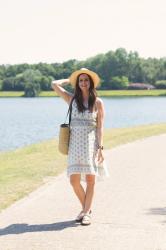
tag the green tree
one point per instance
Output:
(45, 83)
(1, 85)
(8, 84)
(32, 85)
(112, 64)
(117, 82)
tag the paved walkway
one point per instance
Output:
(129, 211)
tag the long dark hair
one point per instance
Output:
(79, 98)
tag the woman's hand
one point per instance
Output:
(61, 82)
(100, 156)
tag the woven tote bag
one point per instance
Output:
(64, 133)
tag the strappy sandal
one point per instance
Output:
(86, 220)
(80, 216)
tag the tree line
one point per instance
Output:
(117, 69)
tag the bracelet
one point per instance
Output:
(100, 147)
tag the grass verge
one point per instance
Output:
(25, 169)
(104, 93)
(11, 93)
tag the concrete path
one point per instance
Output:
(129, 210)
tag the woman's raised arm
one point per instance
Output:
(57, 87)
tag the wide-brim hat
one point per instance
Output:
(92, 74)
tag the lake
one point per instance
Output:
(24, 121)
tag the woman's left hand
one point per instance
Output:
(100, 156)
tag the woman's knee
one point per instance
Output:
(90, 180)
(75, 180)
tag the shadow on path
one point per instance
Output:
(25, 228)
(157, 211)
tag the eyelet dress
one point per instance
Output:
(83, 144)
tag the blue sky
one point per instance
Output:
(55, 31)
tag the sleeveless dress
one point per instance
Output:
(83, 145)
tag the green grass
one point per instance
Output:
(11, 93)
(155, 92)
(25, 169)
(117, 136)
(104, 93)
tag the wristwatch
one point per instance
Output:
(100, 147)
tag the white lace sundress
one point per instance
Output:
(83, 145)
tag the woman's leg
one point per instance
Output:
(90, 180)
(78, 189)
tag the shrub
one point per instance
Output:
(140, 86)
(160, 84)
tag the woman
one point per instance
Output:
(85, 156)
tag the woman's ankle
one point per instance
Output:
(88, 211)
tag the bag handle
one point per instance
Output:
(69, 111)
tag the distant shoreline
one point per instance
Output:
(102, 93)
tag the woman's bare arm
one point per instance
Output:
(57, 87)
(100, 127)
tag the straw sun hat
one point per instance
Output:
(75, 74)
